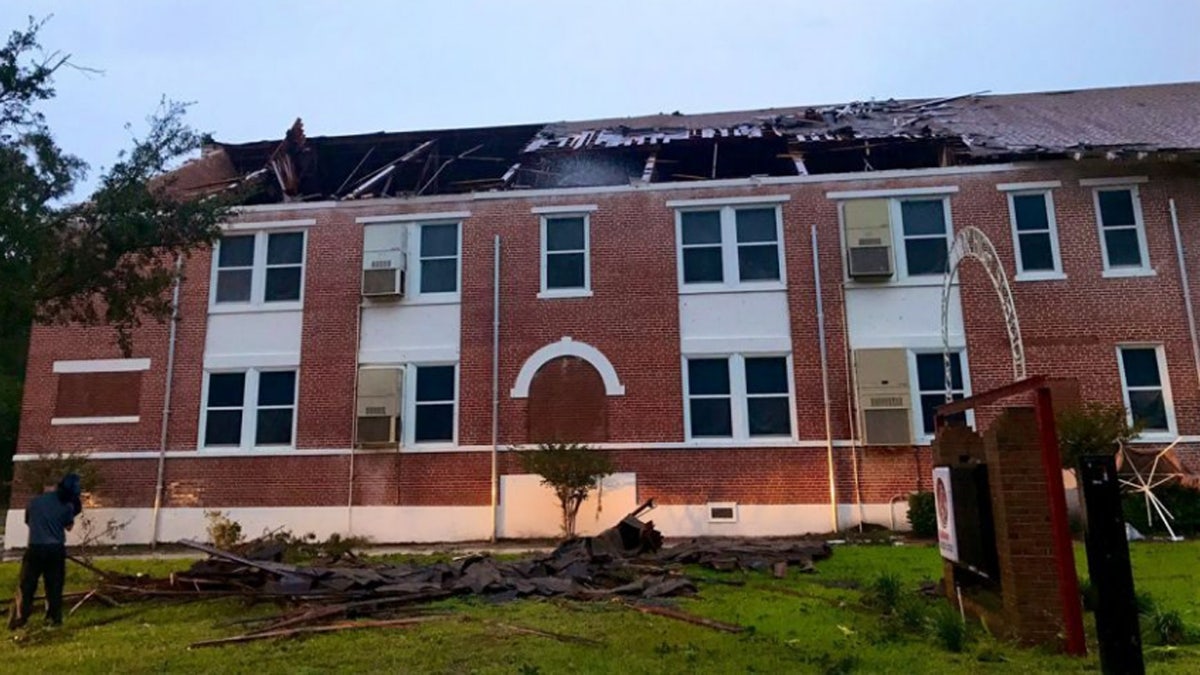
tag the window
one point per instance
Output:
(731, 247)
(925, 236)
(1035, 234)
(434, 405)
(1144, 383)
(739, 397)
(1122, 236)
(261, 268)
(438, 256)
(931, 386)
(565, 268)
(98, 391)
(251, 404)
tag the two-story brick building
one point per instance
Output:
(743, 309)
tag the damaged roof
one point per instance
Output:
(1163, 120)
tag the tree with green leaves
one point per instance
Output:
(109, 259)
(572, 471)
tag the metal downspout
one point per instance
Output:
(851, 419)
(1187, 290)
(166, 409)
(354, 422)
(496, 391)
(833, 506)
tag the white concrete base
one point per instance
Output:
(530, 510)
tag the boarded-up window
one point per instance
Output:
(98, 394)
(567, 403)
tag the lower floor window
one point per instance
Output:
(253, 404)
(931, 387)
(434, 404)
(1142, 380)
(738, 397)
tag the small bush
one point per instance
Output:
(885, 592)
(950, 631)
(223, 532)
(1167, 628)
(1145, 603)
(572, 471)
(1181, 502)
(912, 614)
(922, 515)
(36, 475)
(1091, 429)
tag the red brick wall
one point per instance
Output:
(567, 403)
(98, 394)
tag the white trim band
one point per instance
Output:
(278, 360)
(1118, 180)
(101, 365)
(893, 192)
(413, 217)
(566, 208)
(728, 201)
(78, 421)
(568, 347)
(1035, 185)
(270, 224)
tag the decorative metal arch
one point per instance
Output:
(971, 242)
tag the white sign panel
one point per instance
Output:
(943, 499)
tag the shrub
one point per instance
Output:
(922, 515)
(949, 629)
(885, 592)
(1167, 628)
(572, 471)
(1092, 428)
(1181, 502)
(223, 532)
(35, 475)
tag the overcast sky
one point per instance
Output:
(253, 66)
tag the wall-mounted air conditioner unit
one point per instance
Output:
(384, 274)
(883, 394)
(868, 238)
(379, 400)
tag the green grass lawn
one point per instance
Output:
(805, 623)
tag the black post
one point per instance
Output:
(1108, 565)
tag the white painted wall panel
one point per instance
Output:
(901, 316)
(727, 322)
(403, 333)
(530, 509)
(238, 339)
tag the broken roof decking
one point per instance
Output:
(876, 135)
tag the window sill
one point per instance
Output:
(1040, 276)
(565, 293)
(730, 442)
(432, 299)
(248, 308)
(79, 421)
(1155, 437)
(698, 289)
(902, 282)
(1121, 273)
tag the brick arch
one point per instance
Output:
(568, 402)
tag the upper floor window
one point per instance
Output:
(931, 386)
(732, 247)
(1122, 233)
(1035, 235)
(437, 256)
(925, 235)
(1144, 386)
(249, 408)
(565, 256)
(738, 397)
(260, 268)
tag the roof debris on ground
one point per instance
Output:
(1119, 123)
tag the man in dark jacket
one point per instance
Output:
(49, 517)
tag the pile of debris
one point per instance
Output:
(625, 563)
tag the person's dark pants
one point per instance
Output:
(48, 562)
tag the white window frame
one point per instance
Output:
(1160, 354)
(408, 423)
(733, 506)
(249, 408)
(415, 268)
(915, 391)
(258, 275)
(739, 400)
(1145, 268)
(584, 291)
(729, 249)
(896, 213)
(1052, 225)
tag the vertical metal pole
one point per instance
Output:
(1187, 289)
(833, 506)
(166, 409)
(1064, 553)
(496, 390)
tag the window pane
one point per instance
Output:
(564, 270)
(1036, 254)
(930, 404)
(926, 216)
(283, 283)
(931, 374)
(233, 285)
(277, 387)
(1123, 247)
(701, 227)
(564, 234)
(1141, 367)
(439, 276)
(711, 417)
(223, 427)
(1116, 208)
(766, 375)
(708, 376)
(1149, 409)
(758, 263)
(435, 383)
(1031, 212)
(702, 265)
(925, 256)
(226, 389)
(437, 240)
(274, 427)
(285, 247)
(434, 423)
(237, 251)
(755, 225)
(769, 416)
